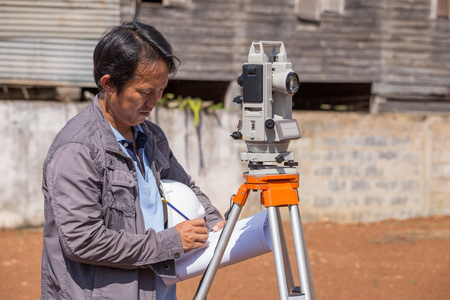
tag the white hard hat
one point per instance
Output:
(183, 199)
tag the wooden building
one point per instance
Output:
(50, 42)
(391, 55)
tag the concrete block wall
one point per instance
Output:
(353, 167)
(359, 167)
(437, 166)
(27, 129)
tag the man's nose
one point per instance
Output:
(152, 101)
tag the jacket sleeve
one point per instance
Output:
(74, 185)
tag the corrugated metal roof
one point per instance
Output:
(51, 42)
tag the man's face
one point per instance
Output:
(139, 96)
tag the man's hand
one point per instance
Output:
(193, 234)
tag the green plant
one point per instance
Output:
(341, 107)
(375, 282)
(194, 104)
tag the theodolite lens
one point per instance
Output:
(292, 83)
(286, 82)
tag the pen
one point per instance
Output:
(175, 209)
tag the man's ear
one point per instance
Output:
(107, 84)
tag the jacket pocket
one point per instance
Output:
(119, 203)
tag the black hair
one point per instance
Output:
(123, 47)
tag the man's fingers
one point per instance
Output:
(197, 222)
(193, 234)
(219, 225)
(199, 245)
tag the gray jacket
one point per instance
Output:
(95, 242)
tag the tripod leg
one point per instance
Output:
(287, 263)
(304, 268)
(210, 272)
(277, 252)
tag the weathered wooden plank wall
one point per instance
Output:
(415, 57)
(393, 44)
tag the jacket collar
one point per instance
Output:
(109, 137)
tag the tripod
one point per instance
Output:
(278, 186)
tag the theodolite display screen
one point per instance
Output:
(252, 87)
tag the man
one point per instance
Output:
(104, 234)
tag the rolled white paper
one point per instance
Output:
(250, 238)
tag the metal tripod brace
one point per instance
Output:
(277, 190)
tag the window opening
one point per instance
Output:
(443, 9)
(333, 96)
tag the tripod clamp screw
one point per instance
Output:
(255, 165)
(291, 163)
(279, 158)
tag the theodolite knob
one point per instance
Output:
(237, 99)
(236, 135)
(270, 123)
(240, 80)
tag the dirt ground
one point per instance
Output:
(385, 260)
